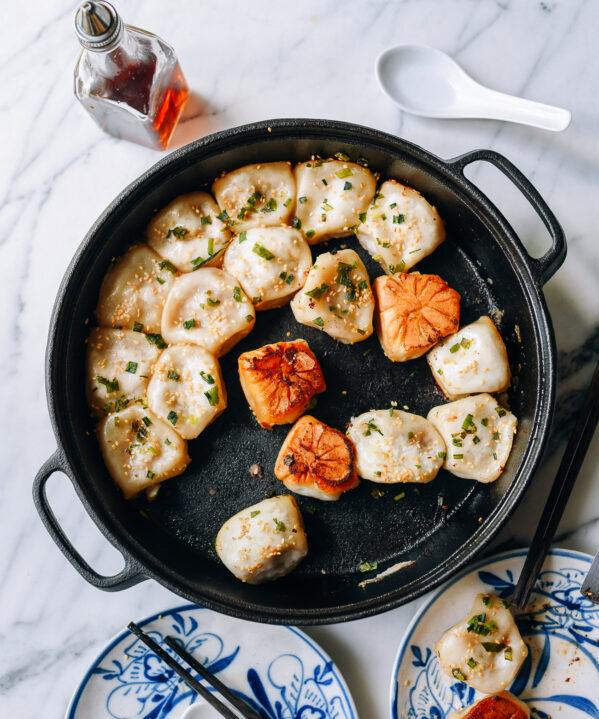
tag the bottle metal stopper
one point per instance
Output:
(98, 25)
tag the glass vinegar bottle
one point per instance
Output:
(127, 79)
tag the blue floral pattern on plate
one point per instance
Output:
(279, 671)
(560, 676)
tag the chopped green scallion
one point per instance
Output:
(179, 232)
(156, 339)
(111, 385)
(270, 206)
(317, 292)
(493, 647)
(468, 424)
(212, 396)
(481, 626)
(261, 251)
(370, 428)
(200, 261)
(168, 265)
(458, 674)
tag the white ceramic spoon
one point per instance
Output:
(425, 81)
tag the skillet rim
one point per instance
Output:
(521, 265)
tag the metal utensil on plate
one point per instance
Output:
(563, 483)
(210, 696)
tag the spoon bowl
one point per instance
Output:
(425, 81)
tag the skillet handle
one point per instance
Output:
(127, 577)
(544, 267)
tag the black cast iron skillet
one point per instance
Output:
(440, 525)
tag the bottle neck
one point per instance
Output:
(117, 56)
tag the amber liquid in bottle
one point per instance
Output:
(136, 91)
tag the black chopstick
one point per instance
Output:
(191, 682)
(223, 689)
(563, 483)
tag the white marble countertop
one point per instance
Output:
(251, 61)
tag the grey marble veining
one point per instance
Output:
(246, 62)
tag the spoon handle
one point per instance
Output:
(492, 104)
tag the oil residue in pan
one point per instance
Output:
(378, 523)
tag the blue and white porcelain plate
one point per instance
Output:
(560, 677)
(279, 671)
